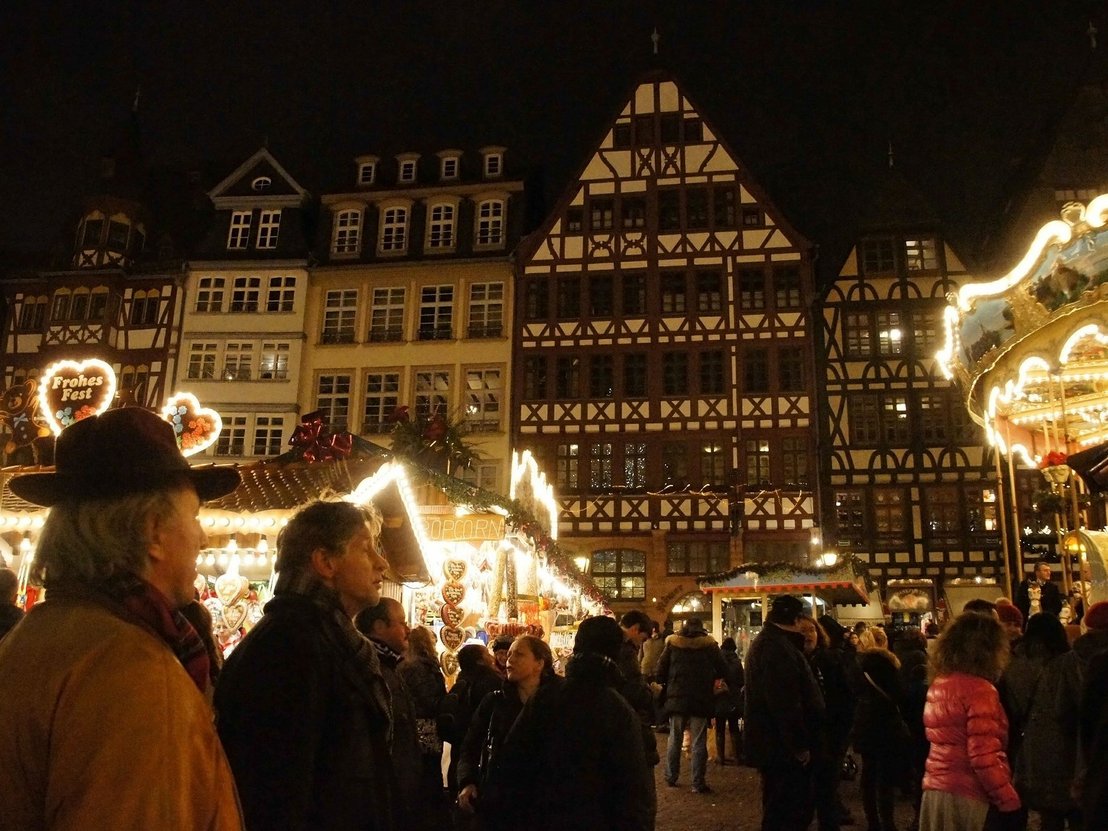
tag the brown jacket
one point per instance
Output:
(103, 728)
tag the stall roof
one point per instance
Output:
(845, 583)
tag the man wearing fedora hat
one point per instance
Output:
(102, 684)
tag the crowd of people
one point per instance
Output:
(333, 713)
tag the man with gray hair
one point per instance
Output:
(302, 706)
(102, 684)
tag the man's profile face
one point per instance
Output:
(393, 630)
(1042, 572)
(359, 572)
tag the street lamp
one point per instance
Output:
(829, 558)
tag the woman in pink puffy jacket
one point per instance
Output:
(967, 770)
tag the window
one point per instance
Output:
(144, 308)
(486, 310)
(534, 378)
(857, 332)
(694, 130)
(569, 297)
(752, 288)
(565, 466)
(932, 418)
(238, 361)
(981, 507)
(490, 222)
(117, 235)
(202, 358)
(669, 210)
(536, 299)
(382, 397)
(723, 207)
(436, 313)
(713, 464)
(620, 573)
(634, 295)
(757, 463)
(333, 400)
(786, 287)
(921, 254)
(269, 225)
(878, 256)
(232, 438)
(267, 435)
(245, 294)
(879, 418)
(942, 513)
(60, 310)
(696, 208)
(865, 420)
(753, 217)
(621, 136)
(575, 220)
(485, 476)
(440, 228)
(601, 297)
(407, 171)
(894, 419)
(94, 230)
(394, 229)
(675, 373)
(98, 305)
(32, 313)
(632, 213)
(669, 128)
(239, 235)
(794, 461)
(386, 315)
(601, 214)
(348, 232)
(890, 333)
(790, 369)
(432, 393)
(756, 370)
(367, 173)
(134, 378)
(494, 165)
(675, 464)
(281, 294)
(274, 364)
(850, 517)
(448, 169)
(634, 465)
(600, 466)
(602, 376)
(712, 376)
(484, 390)
(261, 184)
(697, 557)
(340, 307)
(209, 294)
(567, 377)
(634, 375)
(709, 292)
(78, 311)
(644, 130)
(673, 293)
(889, 519)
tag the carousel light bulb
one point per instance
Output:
(25, 544)
(263, 545)
(222, 560)
(210, 560)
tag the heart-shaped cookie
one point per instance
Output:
(449, 663)
(452, 637)
(72, 390)
(200, 584)
(455, 569)
(451, 615)
(231, 588)
(453, 593)
(196, 427)
(493, 628)
(234, 615)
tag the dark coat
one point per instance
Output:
(639, 696)
(1094, 743)
(688, 668)
(1050, 600)
(470, 688)
(879, 726)
(308, 746)
(9, 616)
(425, 684)
(407, 761)
(784, 706)
(576, 752)
(729, 701)
(836, 672)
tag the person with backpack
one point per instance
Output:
(477, 677)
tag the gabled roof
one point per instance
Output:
(262, 163)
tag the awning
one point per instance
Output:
(843, 584)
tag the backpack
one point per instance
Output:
(455, 713)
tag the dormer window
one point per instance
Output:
(449, 166)
(494, 164)
(407, 171)
(269, 225)
(261, 184)
(239, 235)
(367, 172)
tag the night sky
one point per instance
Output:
(807, 93)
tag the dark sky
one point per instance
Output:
(808, 93)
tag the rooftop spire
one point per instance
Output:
(892, 158)
(655, 38)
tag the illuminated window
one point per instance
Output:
(889, 515)
(757, 463)
(619, 573)
(483, 395)
(566, 466)
(274, 363)
(713, 464)
(600, 466)
(634, 465)
(850, 516)
(238, 361)
(486, 310)
(921, 254)
(697, 557)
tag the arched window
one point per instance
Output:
(620, 573)
(490, 222)
(348, 232)
(32, 313)
(59, 311)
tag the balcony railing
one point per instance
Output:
(383, 334)
(336, 337)
(443, 332)
(484, 330)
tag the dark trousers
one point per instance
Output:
(879, 781)
(725, 722)
(787, 799)
(826, 775)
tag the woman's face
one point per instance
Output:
(808, 630)
(523, 666)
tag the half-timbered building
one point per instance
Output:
(906, 483)
(664, 358)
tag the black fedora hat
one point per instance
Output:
(118, 453)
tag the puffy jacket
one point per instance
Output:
(689, 666)
(968, 732)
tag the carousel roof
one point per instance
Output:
(845, 583)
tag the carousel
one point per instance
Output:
(1030, 352)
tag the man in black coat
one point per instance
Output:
(636, 626)
(689, 667)
(303, 710)
(1038, 594)
(784, 716)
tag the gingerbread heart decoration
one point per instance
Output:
(200, 584)
(234, 615)
(449, 663)
(196, 427)
(451, 615)
(493, 628)
(453, 593)
(72, 390)
(452, 637)
(231, 588)
(455, 569)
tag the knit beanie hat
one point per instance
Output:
(598, 634)
(1009, 614)
(1097, 616)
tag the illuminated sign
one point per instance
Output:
(472, 527)
(74, 390)
(196, 427)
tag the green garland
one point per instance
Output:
(857, 568)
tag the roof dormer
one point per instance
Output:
(365, 171)
(407, 168)
(450, 165)
(492, 162)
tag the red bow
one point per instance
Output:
(318, 444)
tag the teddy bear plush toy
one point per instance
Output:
(19, 411)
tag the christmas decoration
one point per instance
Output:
(317, 443)
(197, 428)
(72, 390)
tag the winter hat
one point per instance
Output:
(598, 634)
(785, 609)
(1097, 616)
(1009, 614)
